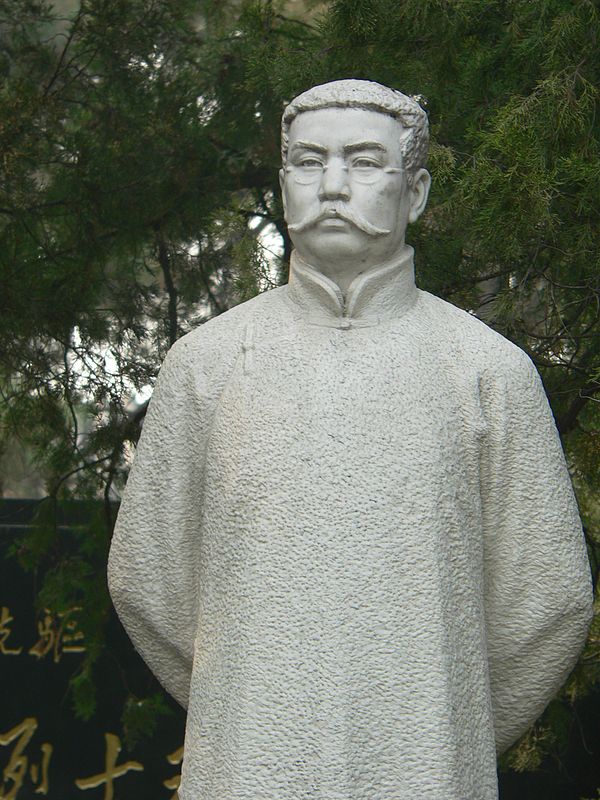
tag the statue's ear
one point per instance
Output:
(419, 192)
(282, 184)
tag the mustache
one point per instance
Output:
(338, 210)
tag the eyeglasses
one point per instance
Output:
(311, 169)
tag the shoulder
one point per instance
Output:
(475, 344)
(227, 329)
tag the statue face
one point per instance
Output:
(345, 193)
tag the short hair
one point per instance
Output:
(373, 97)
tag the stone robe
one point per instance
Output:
(350, 546)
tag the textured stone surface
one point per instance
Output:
(359, 545)
(349, 542)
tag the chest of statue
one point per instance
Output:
(347, 409)
(330, 441)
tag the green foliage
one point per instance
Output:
(529, 752)
(141, 717)
(83, 688)
(140, 147)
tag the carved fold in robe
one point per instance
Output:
(350, 546)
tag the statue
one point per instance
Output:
(349, 543)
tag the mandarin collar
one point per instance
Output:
(377, 295)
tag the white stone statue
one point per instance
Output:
(349, 542)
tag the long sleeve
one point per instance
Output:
(152, 570)
(538, 599)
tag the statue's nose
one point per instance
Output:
(334, 181)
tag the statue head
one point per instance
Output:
(371, 96)
(353, 172)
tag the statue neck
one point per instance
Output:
(378, 293)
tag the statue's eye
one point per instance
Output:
(310, 163)
(365, 163)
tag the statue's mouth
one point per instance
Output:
(333, 219)
(337, 215)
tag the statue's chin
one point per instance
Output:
(334, 246)
(332, 241)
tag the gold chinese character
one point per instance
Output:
(47, 632)
(34, 770)
(5, 632)
(111, 771)
(69, 633)
(56, 631)
(16, 770)
(173, 783)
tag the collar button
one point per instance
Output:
(345, 324)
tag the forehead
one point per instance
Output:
(334, 128)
